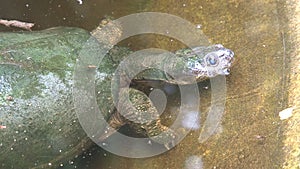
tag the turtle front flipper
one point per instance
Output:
(143, 117)
(161, 134)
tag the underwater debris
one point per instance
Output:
(286, 113)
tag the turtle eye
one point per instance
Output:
(212, 60)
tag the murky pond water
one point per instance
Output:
(250, 134)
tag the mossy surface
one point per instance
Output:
(36, 97)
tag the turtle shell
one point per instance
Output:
(36, 104)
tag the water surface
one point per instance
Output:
(251, 134)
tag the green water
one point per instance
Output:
(254, 30)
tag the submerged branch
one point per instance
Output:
(18, 24)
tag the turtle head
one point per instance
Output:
(207, 62)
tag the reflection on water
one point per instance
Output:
(251, 135)
(191, 120)
(194, 162)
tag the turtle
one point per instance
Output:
(121, 66)
(37, 83)
(200, 63)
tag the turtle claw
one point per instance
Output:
(171, 141)
(166, 138)
(170, 145)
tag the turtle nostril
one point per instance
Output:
(226, 71)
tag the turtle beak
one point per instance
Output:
(229, 59)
